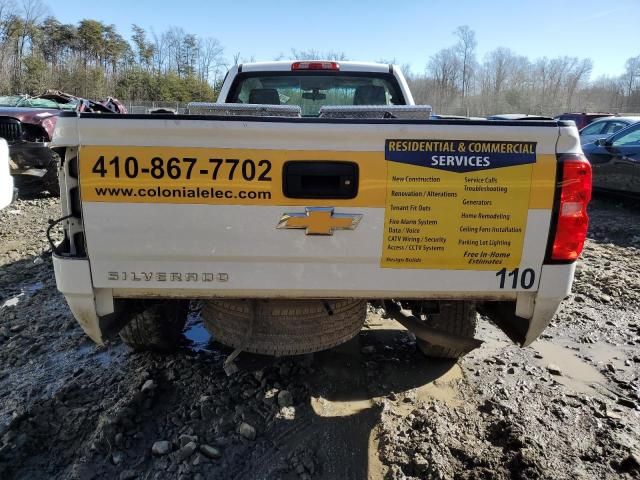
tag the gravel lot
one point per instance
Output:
(566, 407)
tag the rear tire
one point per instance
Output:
(284, 327)
(29, 185)
(50, 180)
(455, 317)
(156, 326)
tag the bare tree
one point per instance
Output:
(466, 51)
(313, 54)
(632, 74)
(405, 68)
(31, 12)
(503, 81)
(578, 75)
(174, 38)
(159, 52)
(444, 68)
(144, 48)
(7, 13)
(210, 57)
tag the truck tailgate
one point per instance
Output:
(296, 208)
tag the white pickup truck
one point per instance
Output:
(307, 190)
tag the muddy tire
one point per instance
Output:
(156, 326)
(456, 317)
(50, 183)
(50, 179)
(283, 327)
(29, 186)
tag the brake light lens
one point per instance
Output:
(573, 220)
(315, 66)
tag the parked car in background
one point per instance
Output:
(7, 191)
(170, 111)
(27, 124)
(582, 119)
(518, 116)
(605, 127)
(454, 117)
(615, 161)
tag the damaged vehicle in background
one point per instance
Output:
(27, 124)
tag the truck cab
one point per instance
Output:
(314, 84)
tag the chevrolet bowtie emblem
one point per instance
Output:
(320, 220)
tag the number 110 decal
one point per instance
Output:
(517, 278)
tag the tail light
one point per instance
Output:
(573, 221)
(315, 66)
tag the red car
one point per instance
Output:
(27, 123)
(582, 119)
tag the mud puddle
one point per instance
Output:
(601, 354)
(375, 468)
(378, 371)
(197, 336)
(575, 373)
(442, 388)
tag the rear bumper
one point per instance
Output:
(30, 158)
(522, 320)
(73, 279)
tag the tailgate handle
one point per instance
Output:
(320, 179)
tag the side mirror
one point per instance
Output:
(603, 142)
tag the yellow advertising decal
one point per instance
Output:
(449, 204)
(190, 175)
(460, 204)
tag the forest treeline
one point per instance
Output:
(455, 81)
(92, 59)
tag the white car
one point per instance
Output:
(7, 191)
(605, 127)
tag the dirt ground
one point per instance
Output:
(566, 407)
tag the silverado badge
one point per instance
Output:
(320, 220)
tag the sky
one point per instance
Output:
(608, 32)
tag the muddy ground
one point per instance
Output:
(567, 407)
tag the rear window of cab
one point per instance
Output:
(313, 90)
